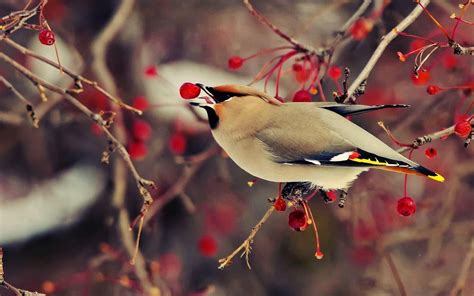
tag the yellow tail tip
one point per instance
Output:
(438, 178)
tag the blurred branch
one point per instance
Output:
(246, 245)
(359, 12)
(430, 137)
(364, 74)
(99, 50)
(462, 278)
(4, 283)
(177, 189)
(29, 105)
(78, 79)
(262, 19)
(395, 273)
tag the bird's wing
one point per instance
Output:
(311, 135)
(346, 110)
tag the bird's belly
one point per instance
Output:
(251, 156)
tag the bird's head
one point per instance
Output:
(229, 97)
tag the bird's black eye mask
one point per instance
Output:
(218, 96)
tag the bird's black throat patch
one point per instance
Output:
(212, 116)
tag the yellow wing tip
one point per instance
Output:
(438, 178)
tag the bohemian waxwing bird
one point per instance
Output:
(299, 142)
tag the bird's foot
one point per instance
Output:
(296, 190)
(342, 198)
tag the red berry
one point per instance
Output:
(151, 71)
(302, 96)
(297, 220)
(430, 152)
(463, 128)
(416, 44)
(331, 195)
(335, 72)
(46, 37)
(406, 206)
(189, 90)
(137, 150)
(361, 28)
(433, 89)
(177, 143)
(207, 245)
(140, 103)
(280, 204)
(235, 62)
(141, 130)
(422, 79)
(297, 67)
(449, 61)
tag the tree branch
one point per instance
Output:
(364, 74)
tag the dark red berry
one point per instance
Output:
(141, 130)
(177, 143)
(406, 206)
(235, 62)
(151, 71)
(297, 220)
(463, 128)
(331, 196)
(430, 152)
(335, 72)
(189, 90)
(140, 103)
(46, 37)
(207, 245)
(449, 61)
(302, 96)
(433, 89)
(137, 150)
(301, 74)
(280, 204)
(422, 78)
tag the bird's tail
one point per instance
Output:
(414, 170)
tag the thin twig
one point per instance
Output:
(396, 275)
(364, 74)
(29, 105)
(4, 283)
(359, 12)
(262, 19)
(246, 245)
(463, 275)
(78, 79)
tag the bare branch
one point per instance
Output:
(246, 245)
(364, 74)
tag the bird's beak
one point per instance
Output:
(218, 95)
(201, 105)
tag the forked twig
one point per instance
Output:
(246, 245)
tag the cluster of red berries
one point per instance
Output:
(299, 219)
(140, 132)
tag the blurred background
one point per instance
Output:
(59, 227)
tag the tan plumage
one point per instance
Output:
(299, 142)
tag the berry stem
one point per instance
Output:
(309, 213)
(266, 51)
(459, 19)
(435, 21)
(415, 37)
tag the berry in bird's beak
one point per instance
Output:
(189, 90)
